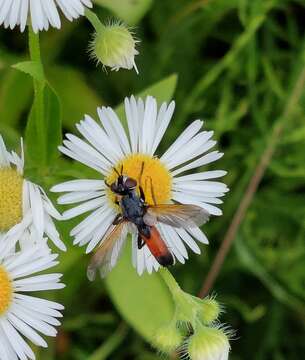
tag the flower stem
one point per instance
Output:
(94, 20)
(185, 307)
(38, 104)
(170, 282)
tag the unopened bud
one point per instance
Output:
(168, 338)
(208, 344)
(114, 46)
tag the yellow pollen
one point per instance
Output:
(10, 198)
(6, 291)
(156, 180)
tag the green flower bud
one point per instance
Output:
(114, 46)
(209, 310)
(168, 338)
(208, 344)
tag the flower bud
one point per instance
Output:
(208, 344)
(209, 310)
(114, 46)
(168, 338)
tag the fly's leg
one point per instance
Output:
(152, 190)
(141, 174)
(141, 242)
(117, 219)
(142, 194)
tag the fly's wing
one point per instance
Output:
(109, 251)
(176, 215)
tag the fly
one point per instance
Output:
(144, 217)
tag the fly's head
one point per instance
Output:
(123, 185)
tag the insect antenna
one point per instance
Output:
(116, 171)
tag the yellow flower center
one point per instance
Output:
(150, 173)
(6, 291)
(10, 198)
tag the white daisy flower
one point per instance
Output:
(42, 13)
(24, 206)
(25, 316)
(107, 148)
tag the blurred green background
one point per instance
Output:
(233, 63)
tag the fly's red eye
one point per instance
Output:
(130, 183)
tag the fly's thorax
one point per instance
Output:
(132, 208)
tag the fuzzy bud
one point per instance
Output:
(209, 311)
(114, 46)
(208, 344)
(168, 338)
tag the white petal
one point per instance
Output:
(79, 185)
(204, 160)
(80, 209)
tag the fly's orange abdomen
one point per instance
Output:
(158, 247)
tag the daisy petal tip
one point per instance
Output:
(62, 246)
(88, 251)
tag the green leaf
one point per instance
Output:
(249, 260)
(129, 11)
(11, 136)
(14, 85)
(33, 68)
(52, 124)
(162, 91)
(136, 297)
(74, 106)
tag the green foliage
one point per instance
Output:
(129, 11)
(237, 63)
(135, 297)
(52, 129)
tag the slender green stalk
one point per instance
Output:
(94, 20)
(38, 104)
(170, 281)
(107, 347)
(185, 306)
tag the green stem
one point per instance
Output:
(38, 105)
(109, 346)
(186, 307)
(94, 20)
(170, 281)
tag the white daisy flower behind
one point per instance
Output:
(24, 206)
(107, 148)
(25, 316)
(42, 13)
